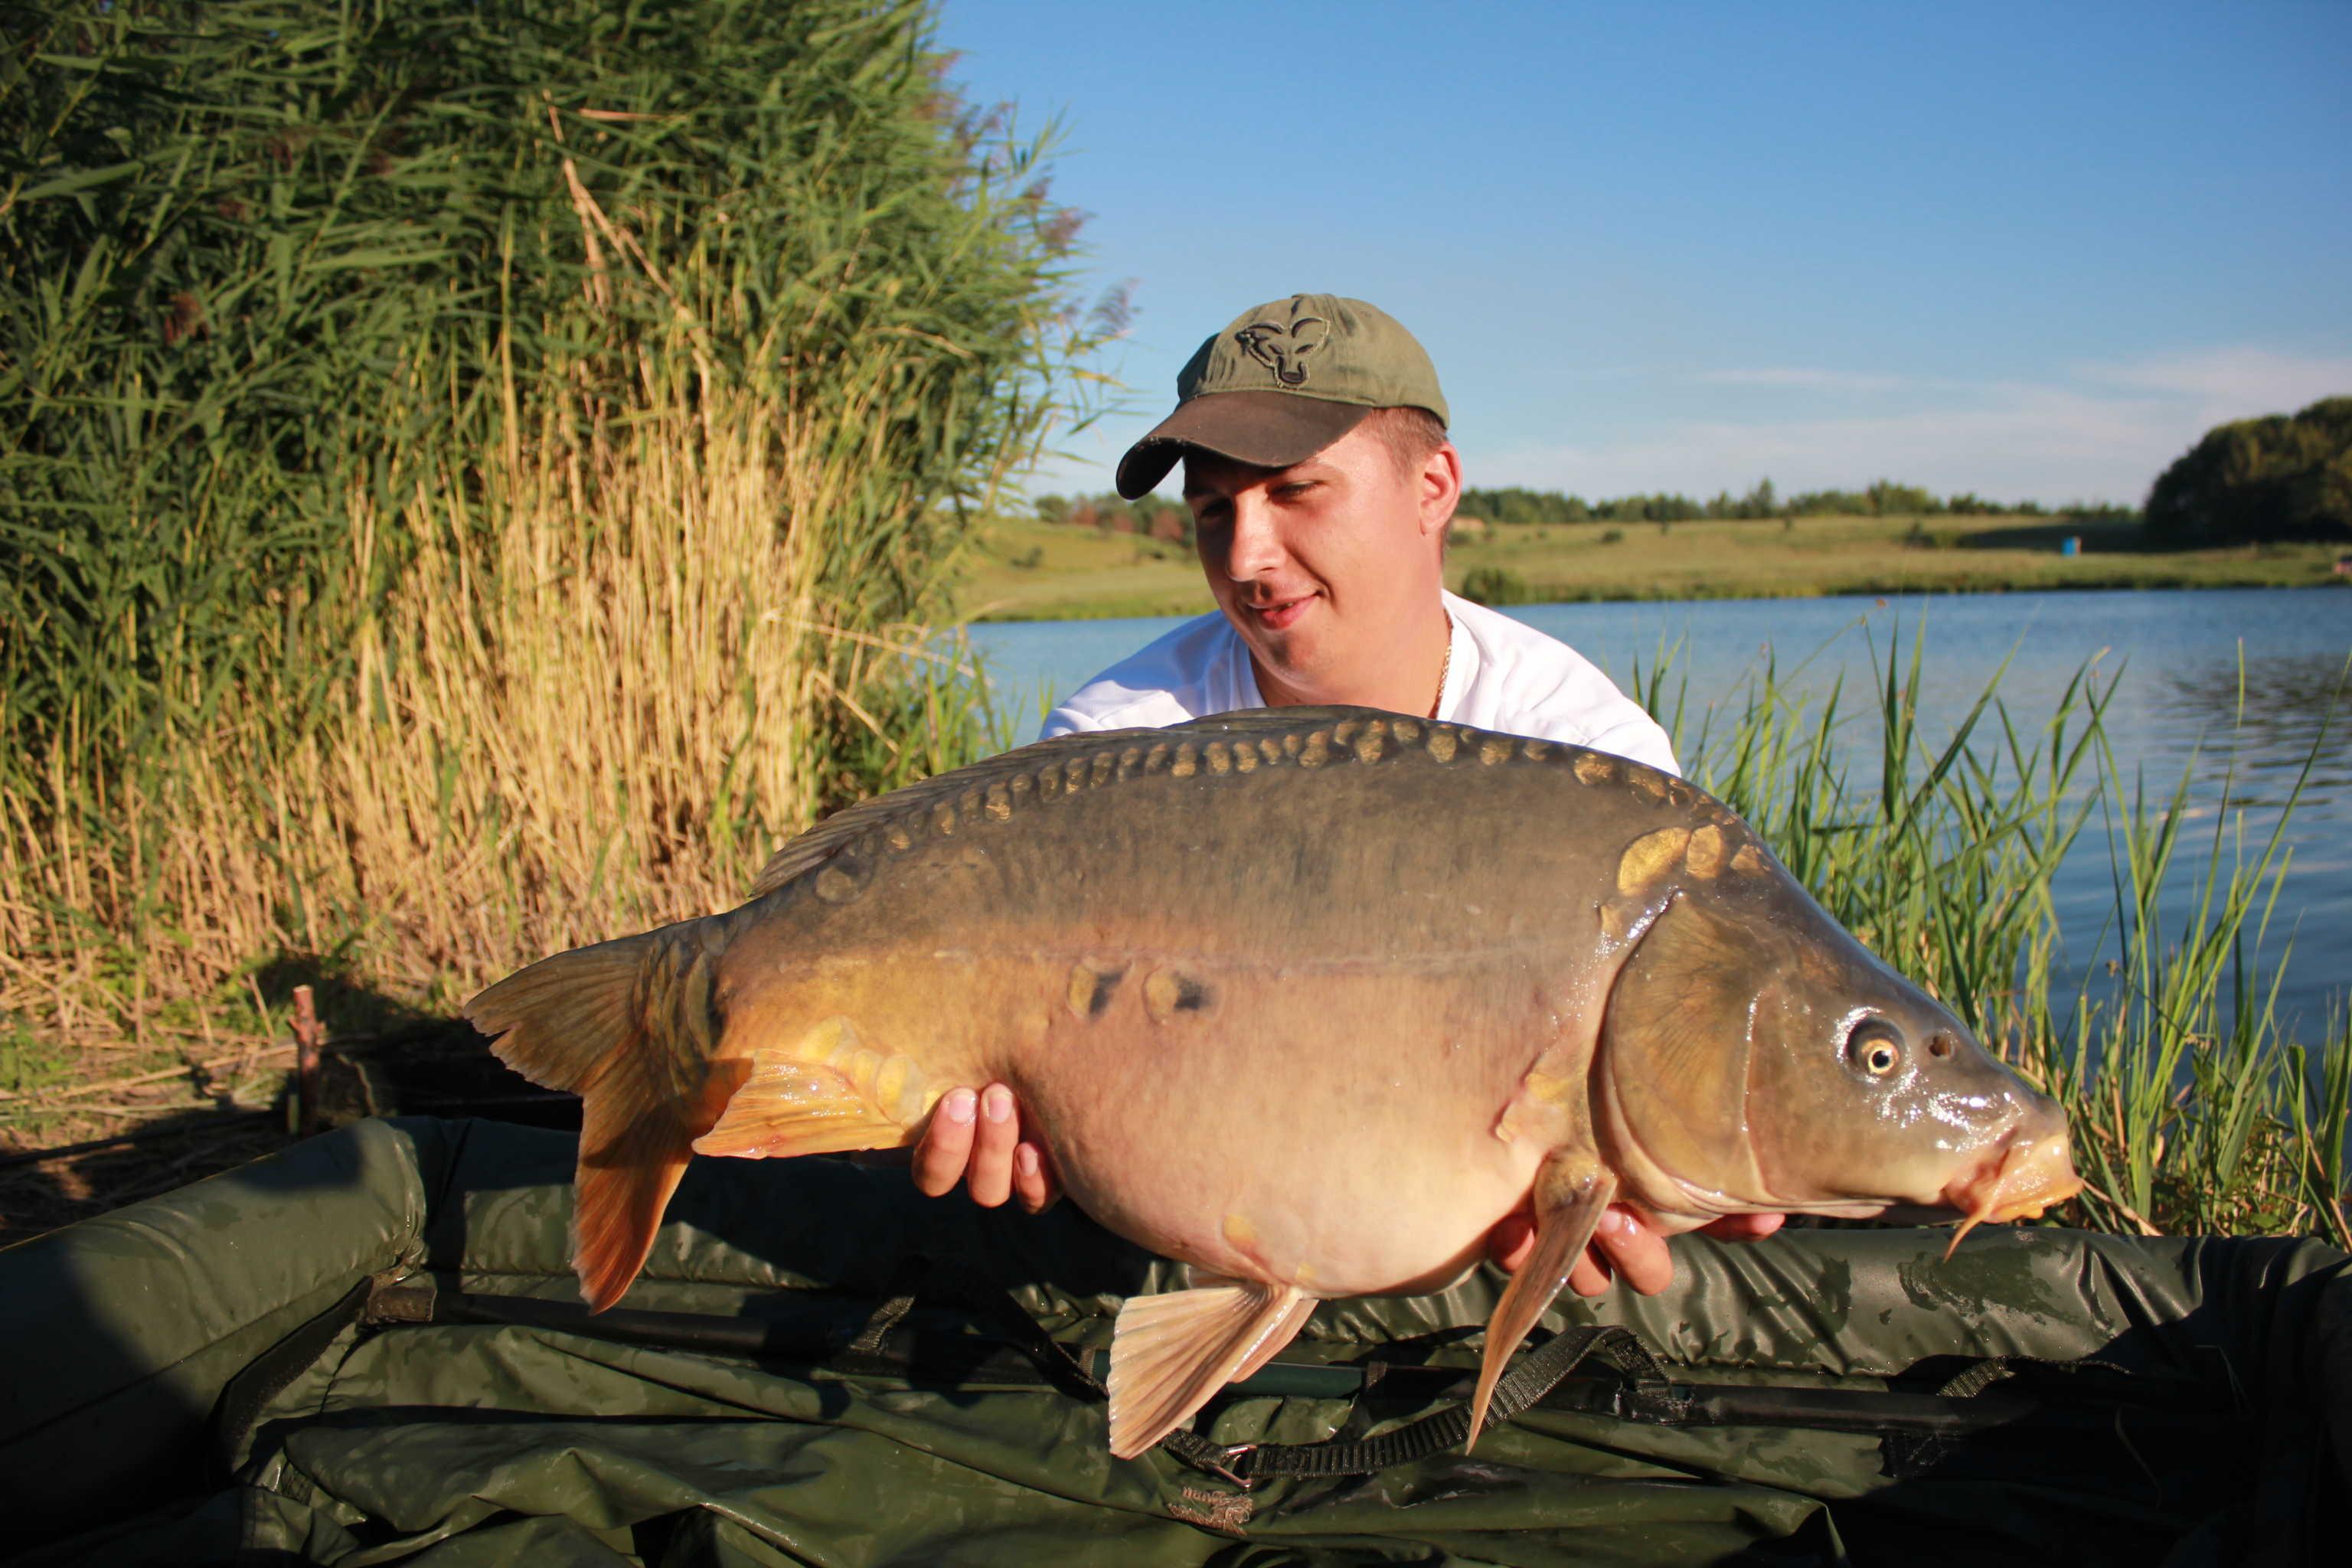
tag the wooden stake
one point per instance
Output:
(308, 1038)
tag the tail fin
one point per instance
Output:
(626, 1025)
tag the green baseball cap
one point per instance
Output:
(1282, 382)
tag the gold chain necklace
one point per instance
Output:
(1444, 669)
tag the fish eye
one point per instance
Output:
(1875, 1048)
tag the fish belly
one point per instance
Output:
(1339, 1136)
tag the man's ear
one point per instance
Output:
(1441, 486)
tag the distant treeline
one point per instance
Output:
(2280, 477)
(1515, 506)
(1153, 516)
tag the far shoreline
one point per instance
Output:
(1026, 570)
(1905, 591)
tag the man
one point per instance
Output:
(1317, 466)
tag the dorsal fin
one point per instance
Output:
(837, 832)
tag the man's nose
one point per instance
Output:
(1253, 548)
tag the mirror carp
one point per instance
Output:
(1308, 999)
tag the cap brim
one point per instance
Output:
(1264, 429)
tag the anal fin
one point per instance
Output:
(636, 1133)
(1170, 1352)
(1571, 1191)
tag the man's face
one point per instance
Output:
(1328, 567)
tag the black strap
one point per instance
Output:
(269, 1375)
(1537, 1373)
(1979, 1375)
(1907, 1454)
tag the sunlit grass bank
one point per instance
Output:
(1025, 570)
(2194, 1111)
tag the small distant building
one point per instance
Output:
(2344, 566)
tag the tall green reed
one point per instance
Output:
(474, 470)
(2192, 1108)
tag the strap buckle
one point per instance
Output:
(1221, 1461)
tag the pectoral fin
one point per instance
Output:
(797, 1110)
(1170, 1353)
(825, 1094)
(1571, 1191)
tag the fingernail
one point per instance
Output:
(1027, 1158)
(998, 1103)
(958, 1106)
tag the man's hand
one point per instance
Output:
(1623, 1245)
(975, 1139)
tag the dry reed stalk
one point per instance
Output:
(593, 702)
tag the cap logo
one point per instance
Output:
(1284, 350)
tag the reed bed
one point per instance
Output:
(476, 475)
(2193, 1110)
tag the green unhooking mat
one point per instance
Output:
(368, 1350)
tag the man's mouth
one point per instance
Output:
(1276, 615)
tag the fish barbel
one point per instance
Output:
(1309, 999)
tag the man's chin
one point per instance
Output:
(1282, 662)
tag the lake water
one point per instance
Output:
(2233, 685)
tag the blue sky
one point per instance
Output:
(2027, 250)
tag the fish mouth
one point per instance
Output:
(2029, 1175)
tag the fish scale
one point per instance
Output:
(1309, 999)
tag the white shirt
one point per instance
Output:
(1503, 675)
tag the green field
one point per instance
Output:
(1024, 570)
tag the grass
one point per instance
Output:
(1026, 570)
(30, 1064)
(1079, 574)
